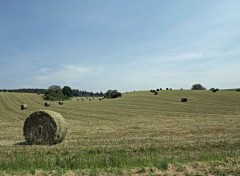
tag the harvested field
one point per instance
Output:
(129, 134)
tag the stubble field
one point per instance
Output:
(137, 134)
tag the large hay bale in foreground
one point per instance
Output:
(44, 127)
(24, 106)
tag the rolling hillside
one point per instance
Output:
(137, 130)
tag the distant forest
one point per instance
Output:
(76, 92)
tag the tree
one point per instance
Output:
(112, 94)
(54, 93)
(198, 87)
(67, 91)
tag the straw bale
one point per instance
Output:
(44, 127)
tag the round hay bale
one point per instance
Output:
(47, 103)
(60, 102)
(24, 106)
(183, 99)
(155, 93)
(44, 127)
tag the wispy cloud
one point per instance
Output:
(67, 74)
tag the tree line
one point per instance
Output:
(75, 92)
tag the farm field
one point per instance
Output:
(137, 134)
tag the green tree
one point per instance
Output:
(67, 91)
(54, 93)
(198, 87)
(112, 94)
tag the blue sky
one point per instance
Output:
(119, 44)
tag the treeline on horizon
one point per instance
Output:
(75, 92)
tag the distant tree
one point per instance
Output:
(101, 94)
(54, 93)
(67, 91)
(198, 87)
(91, 94)
(75, 92)
(112, 94)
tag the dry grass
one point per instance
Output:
(137, 130)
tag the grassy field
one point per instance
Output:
(137, 134)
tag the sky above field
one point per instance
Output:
(97, 45)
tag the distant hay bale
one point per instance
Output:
(214, 90)
(60, 102)
(155, 93)
(44, 127)
(47, 103)
(170, 89)
(157, 89)
(24, 106)
(160, 88)
(183, 99)
(166, 88)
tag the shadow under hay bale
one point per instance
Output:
(24, 106)
(47, 103)
(183, 99)
(44, 128)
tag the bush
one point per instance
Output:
(112, 94)
(67, 91)
(198, 87)
(54, 93)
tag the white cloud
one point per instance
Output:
(66, 74)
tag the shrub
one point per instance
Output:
(54, 93)
(67, 91)
(198, 87)
(112, 94)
